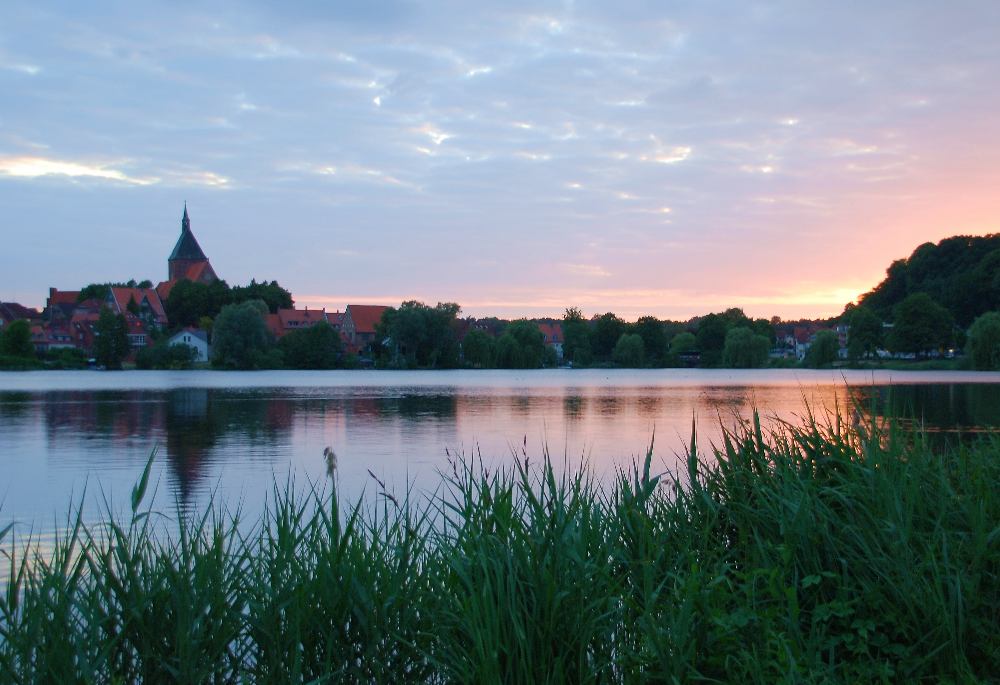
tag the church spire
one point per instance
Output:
(185, 221)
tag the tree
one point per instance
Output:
(960, 273)
(110, 339)
(984, 342)
(189, 302)
(744, 349)
(100, 291)
(421, 335)
(864, 335)
(522, 346)
(15, 340)
(607, 329)
(479, 349)
(682, 344)
(163, 355)
(920, 324)
(315, 347)
(629, 351)
(711, 337)
(272, 294)
(654, 339)
(823, 351)
(576, 338)
(240, 339)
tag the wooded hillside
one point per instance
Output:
(962, 273)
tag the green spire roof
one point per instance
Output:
(187, 247)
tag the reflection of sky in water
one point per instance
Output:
(235, 441)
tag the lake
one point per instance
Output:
(232, 434)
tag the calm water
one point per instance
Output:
(231, 434)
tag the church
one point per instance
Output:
(186, 262)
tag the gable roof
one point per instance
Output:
(365, 316)
(121, 297)
(12, 311)
(552, 332)
(300, 317)
(199, 333)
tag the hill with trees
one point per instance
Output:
(961, 273)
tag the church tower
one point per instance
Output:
(187, 261)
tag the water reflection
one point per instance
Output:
(238, 440)
(959, 407)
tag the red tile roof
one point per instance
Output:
(163, 288)
(12, 311)
(365, 316)
(123, 295)
(552, 332)
(296, 318)
(63, 296)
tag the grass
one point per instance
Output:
(818, 552)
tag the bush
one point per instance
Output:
(165, 356)
(984, 342)
(15, 340)
(744, 349)
(823, 351)
(629, 351)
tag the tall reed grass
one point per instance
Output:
(816, 552)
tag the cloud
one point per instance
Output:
(591, 270)
(29, 69)
(37, 167)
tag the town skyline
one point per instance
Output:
(515, 159)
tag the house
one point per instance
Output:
(12, 311)
(60, 305)
(285, 321)
(553, 334)
(142, 303)
(358, 329)
(193, 337)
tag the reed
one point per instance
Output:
(813, 552)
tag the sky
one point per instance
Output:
(519, 158)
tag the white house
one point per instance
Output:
(192, 337)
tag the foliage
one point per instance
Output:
(841, 552)
(744, 349)
(100, 291)
(522, 346)
(654, 339)
(629, 351)
(962, 273)
(864, 335)
(984, 342)
(189, 302)
(240, 339)
(316, 347)
(711, 335)
(479, 349)
(576, 338)
(65, 358)
(823, 351)
(920, 324)
(15, 340)
(608, 328)
(420, 335)
(8, 363)
(272, 294)
(683, 343)
(162, 355)
(111, 345)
